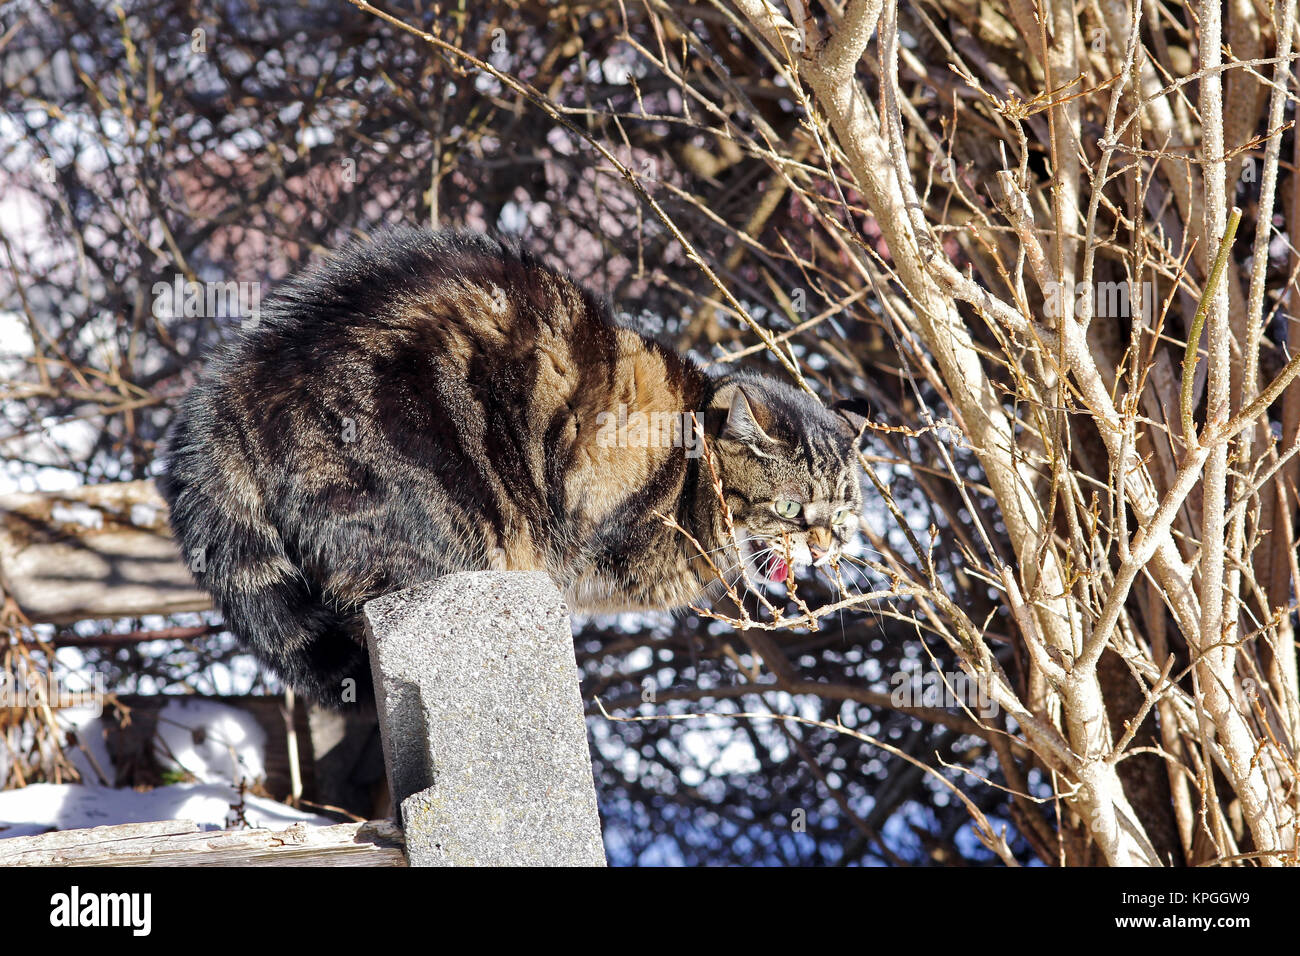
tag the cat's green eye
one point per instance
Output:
(788, 509)
(841, 515)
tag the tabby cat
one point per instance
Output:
(427, 403)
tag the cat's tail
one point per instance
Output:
(236, 554)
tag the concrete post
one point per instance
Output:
(482, 722)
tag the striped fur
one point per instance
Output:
(428, 403)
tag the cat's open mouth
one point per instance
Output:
(776, 561)
(777, 569)
(767, 559)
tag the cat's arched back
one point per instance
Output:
(426, 403)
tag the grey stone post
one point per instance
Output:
(482, 722)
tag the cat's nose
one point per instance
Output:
(819, 541)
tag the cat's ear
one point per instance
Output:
(855, 411)
(741, 424)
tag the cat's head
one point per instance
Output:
(789, 471)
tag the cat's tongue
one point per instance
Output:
(779, 570)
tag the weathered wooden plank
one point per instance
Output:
(62, 839)
(100, 551)
(182, 843)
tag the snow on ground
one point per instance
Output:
(218, 745)
(70, 806)
(89, 727)
(210, 740)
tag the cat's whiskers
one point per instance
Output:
(738, 541)
(860, 568)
